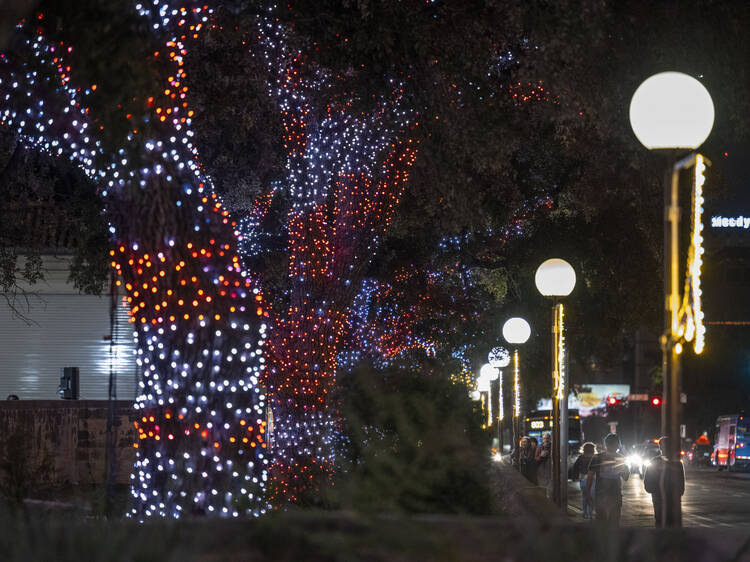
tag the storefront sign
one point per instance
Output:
(730, 222)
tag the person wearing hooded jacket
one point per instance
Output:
(661, 478)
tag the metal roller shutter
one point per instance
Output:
(64, 329)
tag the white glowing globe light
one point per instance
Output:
(671, 110)
(475, 395)
(499, 357)
(516, 330)
(555, 278)
(488, 372)
(483, 384)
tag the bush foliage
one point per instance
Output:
(414, 445)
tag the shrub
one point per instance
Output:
(414, 445)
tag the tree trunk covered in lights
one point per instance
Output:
(329, 249)
(200, 414)
(198, 318)
(346, 174)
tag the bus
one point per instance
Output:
(732, 443)
(538, 422)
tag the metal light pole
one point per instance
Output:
(500, 414)
(561, 398)
(488, 374)
(516, 331)
(670, 112)
(555, 278)
(516, 407)
(499, 358)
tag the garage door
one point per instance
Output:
(65, 330)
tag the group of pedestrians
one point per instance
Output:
(600, 476)
(534, 460)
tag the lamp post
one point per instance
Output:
(483, 389)
(499, 358)
(673, 112)
(516, 331)
(487, 374)
(555, 279)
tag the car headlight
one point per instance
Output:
(633, 460)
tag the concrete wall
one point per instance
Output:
(73, 434)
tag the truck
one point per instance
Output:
(732, 443)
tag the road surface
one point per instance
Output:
(712, 499)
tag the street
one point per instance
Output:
(712, 499)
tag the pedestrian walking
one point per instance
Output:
(607, 470)
(526, 462)
(579, 471)
(543, 457)
(662, 478)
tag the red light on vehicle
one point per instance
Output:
(612, 400)
(656, 401)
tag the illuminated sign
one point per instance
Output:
(730, 222)
(537, 424)
(591, 399)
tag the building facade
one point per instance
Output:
(55, 326)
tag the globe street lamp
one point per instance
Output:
(671, 110)
(555, 279)
(499, 358)
(668, 112)
(516, 331)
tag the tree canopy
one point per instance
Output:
(524, 146)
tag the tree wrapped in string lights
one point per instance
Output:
(346, 173)
(198, 318)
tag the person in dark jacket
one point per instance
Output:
(608, 469)
(526, 463)
(661, 478)
(543, 456)
(579, 471)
